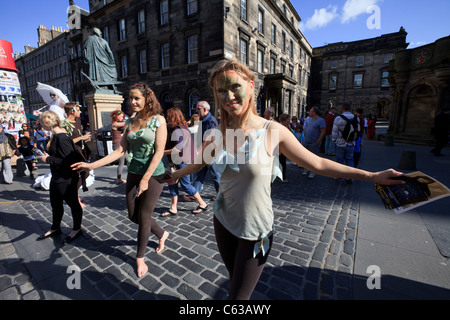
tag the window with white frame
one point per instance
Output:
(274, 34)
(332, 82)
(164, 11)
(359, 61)
(165, 56)
(141, 21)
(143, 61)
(124, 66)
(105, 32)
(261, 21)
(193, 49)
(192, 7)
(244, 9)
(357, 80)
(260, 58)
(273, 63)
(122, 30)
(244, 47)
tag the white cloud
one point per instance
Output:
(320, 18)
(354, 8)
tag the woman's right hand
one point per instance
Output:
(81, 166)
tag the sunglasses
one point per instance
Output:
(52, 95)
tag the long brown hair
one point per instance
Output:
(152, 106)
(218, 70)
(175, 118)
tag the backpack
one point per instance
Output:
(351, 130)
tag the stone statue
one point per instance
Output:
(102, 67)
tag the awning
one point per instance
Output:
(30, 116)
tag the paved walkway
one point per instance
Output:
(327, 236)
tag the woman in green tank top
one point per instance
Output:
(145, 138)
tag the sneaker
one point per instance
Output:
(311, 175)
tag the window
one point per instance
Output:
(260, 61)
(261, 21)
(291, 71)
(291, 49)
(164, 12)
(141, 21)
(124, 66)
(143, 61)
(192, 7)
(283, 66)
(359, 61)
(357, 80)
(274, 34)
(384, 79)
(244, 45)
(283, 42)
(273, 63)
(165, 56)
(106, 33)
(244, 9)
(332, 82)
(333, 64)
(79, 51)
(194, 99)
(122, 30)
(193, 49)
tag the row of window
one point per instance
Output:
(164, 14)
(48, 74)
(165, 56)
(357, 80)
(48, 55)
(359, 61)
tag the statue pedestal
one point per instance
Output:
(100, 106)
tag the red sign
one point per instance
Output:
(6, 56)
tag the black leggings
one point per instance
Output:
(140, 210)
(65, 191)
(237, 254)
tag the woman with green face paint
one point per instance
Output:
(246, 154)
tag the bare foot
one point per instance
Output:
(161, 242)
(142, 268)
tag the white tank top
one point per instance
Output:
(244, 204)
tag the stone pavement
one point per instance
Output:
(327, 234)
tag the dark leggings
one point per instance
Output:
(65, 191)
(237, 254)
(140, 210)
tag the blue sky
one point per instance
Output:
(323, 21)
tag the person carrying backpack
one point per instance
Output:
(344, 134)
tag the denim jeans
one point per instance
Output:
(344, 155)
(330, 146)
(200, 178)
(185, 183)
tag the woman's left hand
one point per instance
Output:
(387, 177)
(44, 158)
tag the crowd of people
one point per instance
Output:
(243, 152)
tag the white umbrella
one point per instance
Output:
(45, 91)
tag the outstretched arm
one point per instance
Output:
(294, 151)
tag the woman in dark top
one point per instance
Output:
(63, 185)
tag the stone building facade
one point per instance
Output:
(357, 73)
(172, 46)
(420, 84)
(48, 63)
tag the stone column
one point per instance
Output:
(99, 108)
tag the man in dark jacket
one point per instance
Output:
(441, 130)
